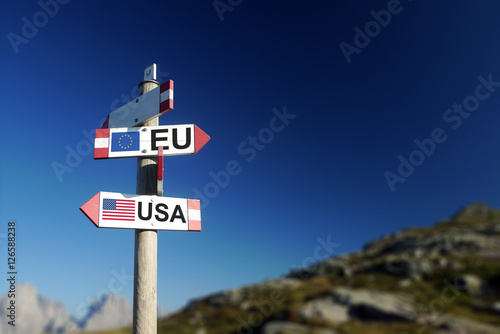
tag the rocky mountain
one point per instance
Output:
(443, 279)
(110, 311)
(36, 314)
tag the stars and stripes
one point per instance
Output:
(118, 209)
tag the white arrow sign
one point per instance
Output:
(144, 141)
(144, 108)
(115, 210)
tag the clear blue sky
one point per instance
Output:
(323, 175)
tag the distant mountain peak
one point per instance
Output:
(38, 313)
(106, 312)
(477, 209)
(43, 315)
(473, 214)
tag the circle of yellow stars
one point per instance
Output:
(125, 146)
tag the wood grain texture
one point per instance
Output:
(146, 250)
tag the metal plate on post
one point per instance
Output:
(150, 73)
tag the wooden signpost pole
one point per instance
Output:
(146, 250)
(133, 131)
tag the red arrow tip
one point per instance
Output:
(200, 139)
(91, 209)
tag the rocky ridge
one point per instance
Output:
(37, 314)
(109, 311)
(443, 279)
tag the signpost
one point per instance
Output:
(144, 108)
(144, 141)
(133, 131)
(115, 210)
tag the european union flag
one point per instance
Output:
(125, 141)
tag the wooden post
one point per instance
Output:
(146, 250)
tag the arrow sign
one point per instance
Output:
(115, 210)
(144, 108)
(144, 141)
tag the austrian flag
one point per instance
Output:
(166, 96)
(101, 144)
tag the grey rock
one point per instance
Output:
(325, 309)
(374, 305)
(201, 330)
(457, 325)
(457, 235)
(109, 311)
(465, 241)
(404, 283)
(246, 305)
(42, 315)
(400, 265)
(34, 313)
(235, 296)
(406, 267)
(471, 284)
(283, 327)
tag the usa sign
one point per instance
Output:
(144, 141)
(143, 212)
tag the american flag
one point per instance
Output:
(118, 209)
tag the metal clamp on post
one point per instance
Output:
(159, 182)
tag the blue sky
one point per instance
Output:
(360, 94)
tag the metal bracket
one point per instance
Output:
(159, 182)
